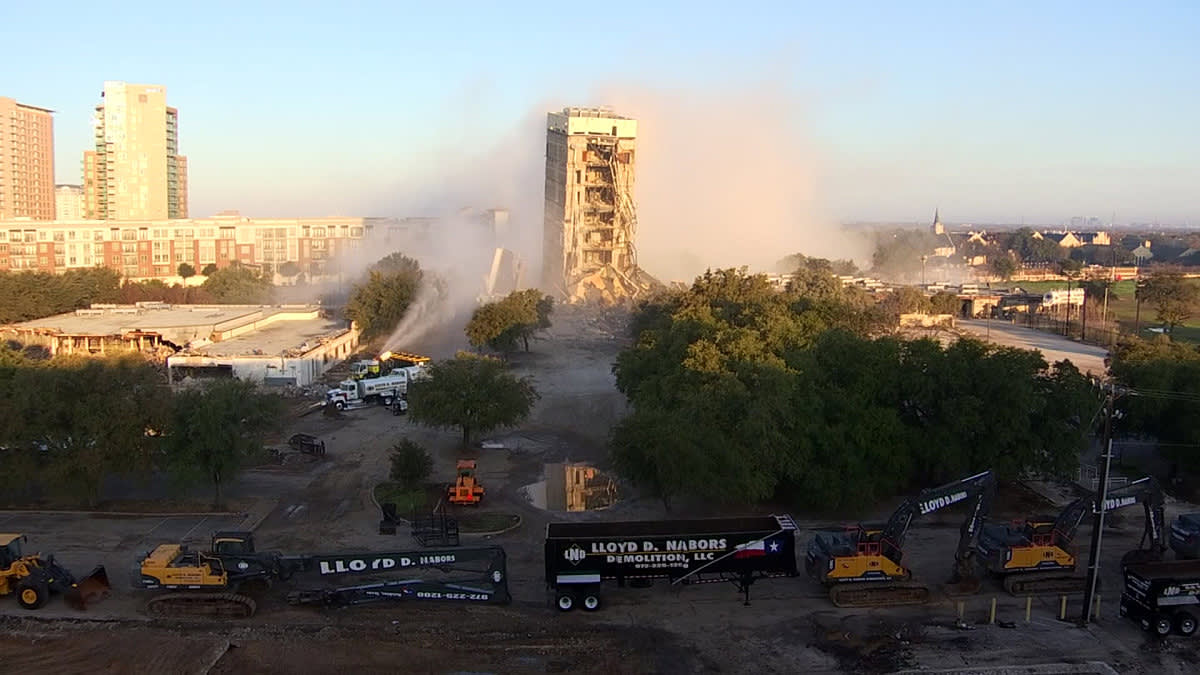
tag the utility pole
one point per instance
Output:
(1093, 572)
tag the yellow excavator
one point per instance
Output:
(862, 566)
(33, 578)
(1038, 555)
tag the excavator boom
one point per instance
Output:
(864, 554)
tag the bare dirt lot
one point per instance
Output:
(789, 627)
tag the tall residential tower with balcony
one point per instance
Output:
(26, 161)
(135, 171)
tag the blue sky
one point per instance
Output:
(993, 111)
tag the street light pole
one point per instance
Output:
(1093, 572)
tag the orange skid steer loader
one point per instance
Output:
(466, 489)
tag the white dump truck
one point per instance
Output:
(370, 390)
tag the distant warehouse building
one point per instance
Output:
(277, 345)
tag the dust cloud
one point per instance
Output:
(725, 178)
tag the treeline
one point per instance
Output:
(1160, 396)
(66, 424)
(25, 296)
(743, 394)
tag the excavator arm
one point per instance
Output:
(462, 574)
(979, 487)
(1147, 492)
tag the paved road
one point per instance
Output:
(1086, 357)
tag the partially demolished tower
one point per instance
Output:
(590, 217)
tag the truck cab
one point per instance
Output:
(1185, 536)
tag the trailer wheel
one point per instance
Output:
(1185, 623)
(591, 602)
(1162, 625)
(565, 601)
(339, 405)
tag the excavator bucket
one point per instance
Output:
(89, 590)
(965, 580)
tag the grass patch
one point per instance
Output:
(486, 522)
(406, 499)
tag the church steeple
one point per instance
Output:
(937, 223)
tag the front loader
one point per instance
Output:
(33, 578)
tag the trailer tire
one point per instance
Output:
(591, 601)
(565, 601)
(1185, 623)
(1162, 625)
(339, 405)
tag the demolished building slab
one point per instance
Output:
(274, 344)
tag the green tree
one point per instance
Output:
(185, 270)
(1003, 266)
(494, 325)
(717, 373)
(1173, 417)
(410, 463)
(899, 252)
(1174, 298)
(797, 261)
(515, 318)
(471, 393)
(209, 269)
(216, 429)
(238, 285)
(33, 295)
(906, 300)
(1030, 246)
(87, 417)
(944, 302)
(378, 303)
(289, 269)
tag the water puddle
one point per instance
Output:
(572, 487)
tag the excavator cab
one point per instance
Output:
(232, 543)
(10, 550)
(466, 489)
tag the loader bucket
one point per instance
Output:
(89, 590)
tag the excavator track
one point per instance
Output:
(1046, 583)
(879, 595)
(232, 605)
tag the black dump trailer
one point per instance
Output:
(580, 556)
(1162, 596)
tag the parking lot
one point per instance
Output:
(77, 539)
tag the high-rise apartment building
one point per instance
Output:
(135, 171)
(590, 218)
(68, 202)
(26, 161)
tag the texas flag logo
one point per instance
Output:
(755, 549)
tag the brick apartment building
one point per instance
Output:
(155, 248)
